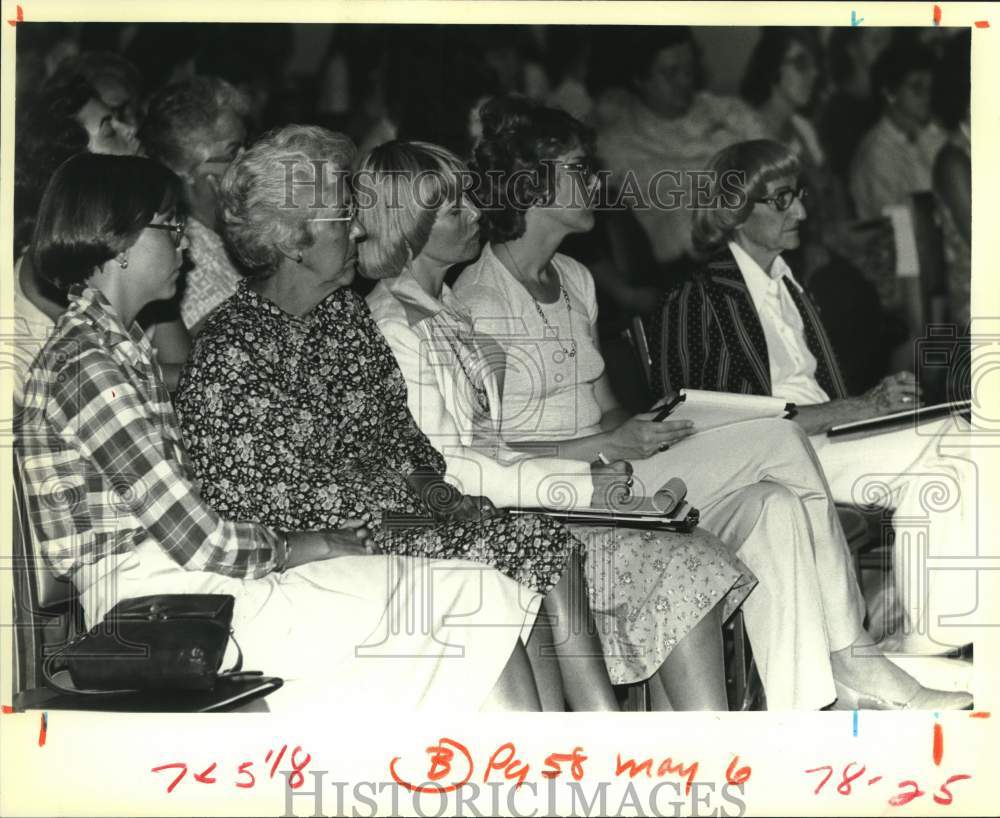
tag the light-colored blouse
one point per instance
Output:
(454, 381)
(549, 392)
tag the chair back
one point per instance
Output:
(640, 343)
(46, 610)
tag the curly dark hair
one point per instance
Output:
(47, 134)
(519, 137)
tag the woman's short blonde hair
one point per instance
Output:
(740, 175)
(399, 188)
(270, 192)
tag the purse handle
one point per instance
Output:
(48, 672)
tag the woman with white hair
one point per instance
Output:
(295, 414)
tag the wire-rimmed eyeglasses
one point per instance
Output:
(177, 230)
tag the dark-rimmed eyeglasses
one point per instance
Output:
(176, 230)
(782, 199)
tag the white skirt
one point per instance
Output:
(384, 632)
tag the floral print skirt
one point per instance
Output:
(648, 589)
(530, 549)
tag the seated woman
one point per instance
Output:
(745, 325)
(66, 118)
(196, 127)
(659, 598)
(294, 410)
(115, 508)
(758, 484)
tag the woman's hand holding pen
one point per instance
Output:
(641, 436)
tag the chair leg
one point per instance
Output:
(636, 697)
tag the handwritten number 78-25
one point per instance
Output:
(910, 789)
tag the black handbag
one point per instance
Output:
(160, 642)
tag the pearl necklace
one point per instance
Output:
(552, 331)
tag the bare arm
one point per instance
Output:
(353, 540)
(894, 393)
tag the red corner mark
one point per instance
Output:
(43, 729)
(19, 19)
(6, 708)
(937, 15)
(980, 714)
(982, 23)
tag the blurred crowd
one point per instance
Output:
(875, 116)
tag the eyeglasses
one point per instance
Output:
(352, 213)
(782, 199)
(586, 167)
(176, 229)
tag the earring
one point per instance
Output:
(299, 259)
(123, 261)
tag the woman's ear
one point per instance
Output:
(292, 252)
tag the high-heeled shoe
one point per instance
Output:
(925, 698)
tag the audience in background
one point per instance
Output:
(850, 108)
(67, 118)
(117, 82)
(894, 159)
(568, 53)
(196, 128)
(654, 117)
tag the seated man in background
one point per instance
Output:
(197, 127)
(744, 324)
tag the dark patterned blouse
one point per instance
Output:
(302, 423)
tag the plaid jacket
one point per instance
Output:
(707, 335)
(103, 462)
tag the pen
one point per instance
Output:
(601, 456)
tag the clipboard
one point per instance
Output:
(683, 521)
(900, 420)
(717, 401)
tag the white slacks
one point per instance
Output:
(761, 490)
(931, 488)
